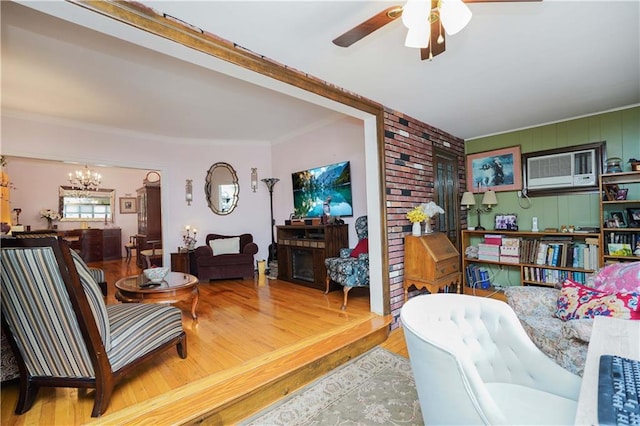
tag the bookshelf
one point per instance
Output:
(542, 258)
(619, 217)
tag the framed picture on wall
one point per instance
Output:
(499, 170)
(128, 205)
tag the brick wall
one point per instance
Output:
(408, 157)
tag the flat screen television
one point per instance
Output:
(323, 190)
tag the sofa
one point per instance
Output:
(559, 320)
(225, 257)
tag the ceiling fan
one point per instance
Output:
(435, 32)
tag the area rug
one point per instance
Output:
(377, 388)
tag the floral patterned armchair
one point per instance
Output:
(351, 269)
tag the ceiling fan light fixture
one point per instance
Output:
(416, 13)
(455, 15)
(415, 16)
(418, 37)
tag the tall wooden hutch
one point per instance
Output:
(149, 215)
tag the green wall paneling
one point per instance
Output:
(621, 131)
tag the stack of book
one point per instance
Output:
(489, 252)
(510, 250)
(490, 249)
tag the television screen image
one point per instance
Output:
(323, 190)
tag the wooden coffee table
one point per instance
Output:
(177, 286)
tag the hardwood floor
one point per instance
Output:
(253, 343)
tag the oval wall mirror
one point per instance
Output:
(221, 188)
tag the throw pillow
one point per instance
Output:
(617, 278)
(577, 301)
(361, 248)
(225, 246)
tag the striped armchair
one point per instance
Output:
(61, 331)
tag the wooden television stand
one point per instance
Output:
(302, 250)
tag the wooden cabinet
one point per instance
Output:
(431, 261)
(95, 245)
(302, 250)
(184, 261)
(149, 219)
(543, 258)
(620, 217)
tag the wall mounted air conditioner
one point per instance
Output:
(571, 169)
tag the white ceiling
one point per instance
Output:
(515, 65)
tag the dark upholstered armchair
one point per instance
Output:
(45, 291)
(226, 256)
(351, 269)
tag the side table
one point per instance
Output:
(184, 261)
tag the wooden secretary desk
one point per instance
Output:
(431, 261)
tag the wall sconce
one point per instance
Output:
(254, 178)
(188, 191)
(489, 199)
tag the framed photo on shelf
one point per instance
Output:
(128, 205)
(506, 222)
(622, 194)
(618, 249)
(610, 192)
(633, 216)
(618, 217)
(499, 170)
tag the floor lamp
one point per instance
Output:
(273, 252)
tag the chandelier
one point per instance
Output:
(85, 180)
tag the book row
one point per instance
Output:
(623, 244)
(478, 277)
(552, 276)
(563, 254)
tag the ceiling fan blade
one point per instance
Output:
(435, 48)
(367, 27)
(497, 1)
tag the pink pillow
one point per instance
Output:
(577, 301)
(361, 247)
(617, 278)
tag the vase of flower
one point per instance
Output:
(416, 216)
(427, 226)
(415, 229)
(50, 216)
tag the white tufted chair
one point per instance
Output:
(474, 364)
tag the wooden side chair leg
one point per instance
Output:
(326, 291)
(345, 289)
